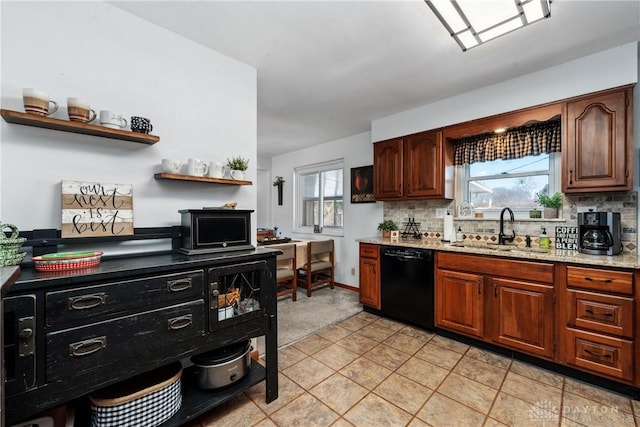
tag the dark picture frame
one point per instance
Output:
(362, 185)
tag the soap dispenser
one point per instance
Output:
(459, 235)
(544, 239)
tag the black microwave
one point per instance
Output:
(215, 230)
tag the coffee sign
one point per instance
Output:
(92, 209)
(567, 238)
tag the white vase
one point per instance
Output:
(237, 174)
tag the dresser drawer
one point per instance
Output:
(369, 251)
(600, 280)
(600, 354)
(77, 350)
(94, 303)
(601, 313)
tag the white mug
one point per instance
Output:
(197, 167)
(112, 120)
(171, 166)
(216, 170)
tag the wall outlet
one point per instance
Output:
(353, 271)
(440, 213)
(587, 208)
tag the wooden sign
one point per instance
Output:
(93, 209)
(567, 238)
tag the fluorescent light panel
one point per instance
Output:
(473, 22)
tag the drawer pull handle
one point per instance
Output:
(85, 302)
(179, 285)
(87, 347)
(606, 314)
(180, 322)
(603, 280)
(586, 350)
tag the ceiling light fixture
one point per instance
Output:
(473, 22)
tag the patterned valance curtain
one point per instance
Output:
(515, 143)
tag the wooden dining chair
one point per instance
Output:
(319, 267)
(286, 279)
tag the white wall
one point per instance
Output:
(360, 220)
(604, 70)
(202, 104)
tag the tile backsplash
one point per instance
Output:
(424, 213)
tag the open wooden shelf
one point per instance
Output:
(28, 119)
(201, 179)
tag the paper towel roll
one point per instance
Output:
(449, 232)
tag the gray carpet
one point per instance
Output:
(305, 316)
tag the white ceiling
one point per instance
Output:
(326, 69)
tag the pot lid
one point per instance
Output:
(222, 355)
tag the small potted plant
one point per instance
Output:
(550, 203)
(386, 227)
(278, 183)
(238, 166)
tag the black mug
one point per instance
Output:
(141, 124)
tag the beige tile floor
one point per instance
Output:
(370, 371)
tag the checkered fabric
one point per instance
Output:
(515, 143)
(146, 411)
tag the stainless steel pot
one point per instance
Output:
(223, 366)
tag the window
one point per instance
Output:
(493, 185)
(319, 198)
(508, 169)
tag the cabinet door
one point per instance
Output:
(598, 139)
(459, 302)
(370, 283)
(523, 316)
(423, 164)
(387, 169)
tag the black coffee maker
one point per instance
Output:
(599, 233)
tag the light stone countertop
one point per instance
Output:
(566, 256)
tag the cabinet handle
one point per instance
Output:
(479, 287)
(589, 279)
(87, 347)
(213, 301)
(180, 322)
(606, 314)
(84, 302)
(570, 176)
(179, 285)
(495, 289)
(586, 350)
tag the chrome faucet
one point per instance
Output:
(502, 238)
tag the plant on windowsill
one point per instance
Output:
(386, 227)
(551, 204)
(238, 166)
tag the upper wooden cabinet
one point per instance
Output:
(598, 150)
(417, 166)
(387, 169)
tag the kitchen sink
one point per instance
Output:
(501, 248)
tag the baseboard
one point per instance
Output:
(347, 287)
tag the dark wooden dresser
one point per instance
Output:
(72, 332)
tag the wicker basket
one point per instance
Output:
(146, 400)
(230, 298)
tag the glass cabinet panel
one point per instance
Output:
(235, 291)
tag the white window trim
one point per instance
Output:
(555, 165)
(317, 167)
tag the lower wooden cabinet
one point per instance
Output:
(497, 300)
(370, 275)
(523, 316)
(599, 329)
(600, 354)
(459, 302)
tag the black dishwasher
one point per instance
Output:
(407, 284)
